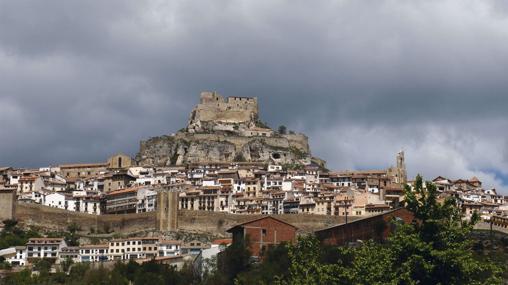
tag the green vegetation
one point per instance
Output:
(12, 235)
(71, 235)
(83, 273)
(435, 249)
(239, 158)
(174, 158)
(292, 166)
(261, 124)
(299, 154)
(282, 130)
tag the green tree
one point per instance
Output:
(282, 130)
(12, 235)
(71, 237)
(66, 264)
(275, 265)
(234, 260)
(434, 249)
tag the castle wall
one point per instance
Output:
(214, 107)
(194, 221)
(299, 141)
(7, 204)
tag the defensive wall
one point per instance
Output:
(7, 204)
(215, 223)
(214, 107)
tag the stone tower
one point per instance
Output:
(401, 168)
(167, 210)
(7, 204)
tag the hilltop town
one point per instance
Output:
(224, 161)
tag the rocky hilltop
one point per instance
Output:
(225, 130)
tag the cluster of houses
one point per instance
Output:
(263, 233)
(120, 186)
(140, 249)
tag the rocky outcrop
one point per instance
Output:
(184, 148)
(225, 130)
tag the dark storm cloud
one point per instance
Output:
(82, 80)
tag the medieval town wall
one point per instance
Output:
(215, 223)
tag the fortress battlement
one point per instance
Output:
(216, 109)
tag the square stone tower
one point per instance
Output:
(7, 204)
(167, 210)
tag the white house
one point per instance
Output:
(61, 201)
(93, 253)
(44, 247)
(146, 200)
(287, 185)
(90, 204)
(169, 248)
(15, 255)
(274, 168)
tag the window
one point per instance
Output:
(264, 232)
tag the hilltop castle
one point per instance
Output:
(234, 114)
(224, 129)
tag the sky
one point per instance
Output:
(82, 80)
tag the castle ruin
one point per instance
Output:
(225, 129)
(216, 113)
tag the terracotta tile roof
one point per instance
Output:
(32, 240)
(167, 241)
(222, 241)
(90, 246)
(251, 221)
(84, 165)
(123, 191)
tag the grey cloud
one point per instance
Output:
(82, 80)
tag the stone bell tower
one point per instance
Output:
(167, 210)
(401, 168)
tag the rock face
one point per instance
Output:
(224, 130)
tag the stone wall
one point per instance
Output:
(215, 108)
(7, 204)
(214, 223)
